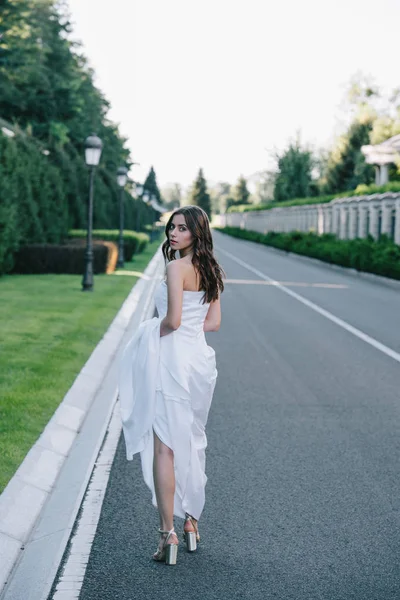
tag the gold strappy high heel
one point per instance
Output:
(168, 552)
(192, 538)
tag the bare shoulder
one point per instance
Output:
(175, 267)
(175, 271)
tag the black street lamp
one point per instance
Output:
(122, 176)
(139, 193)
(145, 198)
(153, 200)
(93, 147)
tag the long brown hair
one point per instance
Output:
(203, 258)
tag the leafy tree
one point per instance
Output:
(346, 166)
(49, 98)
(293, 179)
(373, 120)
(199, 195)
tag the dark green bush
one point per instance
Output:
(67, 259)
(134, 242)
(380, 257)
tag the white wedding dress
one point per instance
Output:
(167, 384)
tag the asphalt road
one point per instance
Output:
(302, 500)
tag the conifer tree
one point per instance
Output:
(241, 193)
(150, 184)
(199, 195)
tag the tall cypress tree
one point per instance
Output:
(199, 195)
(150, 184)
(241, 193)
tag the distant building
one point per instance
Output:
(382, 155)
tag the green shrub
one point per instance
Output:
(380, 257)
(66, 259)
(365, 190)
(134, 242)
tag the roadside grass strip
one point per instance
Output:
(49, 328)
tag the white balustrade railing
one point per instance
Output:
(347, 218)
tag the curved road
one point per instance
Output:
(303, 494)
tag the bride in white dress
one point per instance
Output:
(167, 379)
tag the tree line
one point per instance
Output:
(48, 106)
(303, 172)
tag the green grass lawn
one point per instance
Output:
(49, 328)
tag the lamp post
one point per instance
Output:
(93, 147)
(146, 197)
(153, 199)
(140, 195)
(122, 176)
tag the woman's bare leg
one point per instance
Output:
(164, 484)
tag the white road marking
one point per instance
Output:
(325, 313)
(71, 580)
(291, 283)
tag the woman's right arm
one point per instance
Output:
(213, 319)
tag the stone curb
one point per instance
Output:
(25, 495)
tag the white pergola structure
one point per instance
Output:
(382, 155)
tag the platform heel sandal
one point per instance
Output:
(168, 553)
(191, 538)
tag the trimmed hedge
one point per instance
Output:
(134, 242)
(69, 259)
(380, 257)
(295, 202)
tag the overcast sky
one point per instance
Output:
(218, 84)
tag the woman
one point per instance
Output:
(167, 379)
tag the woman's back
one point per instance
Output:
(194, 312)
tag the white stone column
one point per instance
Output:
(266, 223)
(305, 213)
(320, 219)
(305, 219)
(295, 223)
(327, 210)
(300, 218)
(335, 219)
(313, 218)
(387, 211)
(295, 218)
(384, 175)
(353, 220)
(289, 220)
(343, 228)
(310, 218)
(397, 224)
(374, 220)
(272, 220)
(363, 220)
